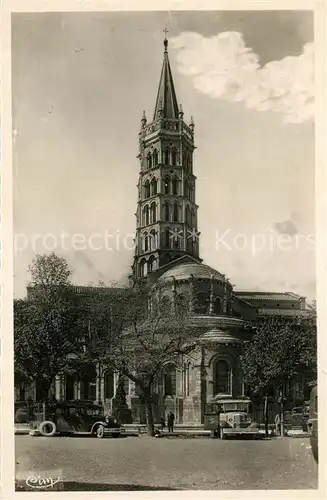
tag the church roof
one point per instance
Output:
(166, 97)
(218, 336)
(282, 296)
(189, 269)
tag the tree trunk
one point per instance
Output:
(282, 431)
(266, 416)
(149, 417)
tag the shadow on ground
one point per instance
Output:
(75, 486)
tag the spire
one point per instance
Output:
(166, 103)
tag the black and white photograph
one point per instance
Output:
(164, 251)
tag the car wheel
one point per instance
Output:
(100, 432)
(48, 428)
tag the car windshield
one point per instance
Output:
(235, 407)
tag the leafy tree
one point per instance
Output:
(47, 325)
(137, 341)
(280, 351)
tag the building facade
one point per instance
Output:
(167, 257)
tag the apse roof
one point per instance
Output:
(189, 269)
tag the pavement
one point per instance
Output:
(145, 463)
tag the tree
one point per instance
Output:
(47, 324)
(136, 339)
(280, 351)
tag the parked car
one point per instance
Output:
(313, 423)
(76, 417)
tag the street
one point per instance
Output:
(142, 463)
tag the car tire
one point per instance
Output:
(100, 432)
(44, 428)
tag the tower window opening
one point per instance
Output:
(155, 158)
(147, 189)
(175, 185)
(143, 268)
(174, 157)
(153, 212)
(167, 238)
(153, 242)
(166, 211)
(154, 187)
(166, 156)
(146, 242)
(166, 185)
(151, 263)
(176, 212)
(146, 215)
(149, 160)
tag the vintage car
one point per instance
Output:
(313, 423)
(228, 417)
(75, 417)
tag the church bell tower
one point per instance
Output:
(166, 215)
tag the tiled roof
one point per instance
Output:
(283, 312)
(282, 296)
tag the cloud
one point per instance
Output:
(286, 227)
(222, 67)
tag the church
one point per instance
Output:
(167, 257)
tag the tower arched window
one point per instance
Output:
(155, 158)
(167, 238)
(154, 189)
(149, 160)
(186, 190)
(174, 157)
(146, 219)
(143, 268)
(175, 185)
(147, 189)
(166, 156)
(169, 373)
(153, 240)
(176, 212)
(222, 377)
(166, 211)
(151, 263)
(188, 163)
(153, 210)
(166, 184)
(145, 242)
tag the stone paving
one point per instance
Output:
(144, 463)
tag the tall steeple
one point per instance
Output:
(166, 104)
(166, 215)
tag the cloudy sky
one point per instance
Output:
(80, 84)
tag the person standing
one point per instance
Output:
(170, 421)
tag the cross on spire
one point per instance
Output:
(165, 31)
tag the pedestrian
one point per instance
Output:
(163, 423)
(277, 424)
(170, 421)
